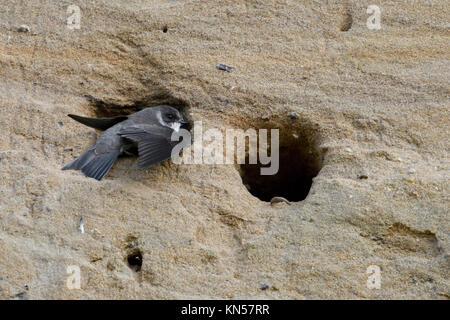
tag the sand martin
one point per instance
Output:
(150, 129)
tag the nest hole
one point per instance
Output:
(134, 260)
(105, 109)
(299, 162)
(346, 22)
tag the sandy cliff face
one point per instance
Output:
(367, 109)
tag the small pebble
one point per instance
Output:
(265, 286)
(303, 218)
(68, 149)
(224, 67)
(379, 238)
(363, 177)
(350, 196)
(295, 135)
(60, 123)
(411, 170)
(81, 226)
(348, 150)
(279, 199)
(293, 115)
(23, 28)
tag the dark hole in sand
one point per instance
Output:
(299, 163)
(135, 260)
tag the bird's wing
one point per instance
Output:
(93, 164)
(154, 145)
(99, 158)
(99, 123)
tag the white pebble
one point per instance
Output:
(279, 199)
(23, 28)
(348, 150)
(411, 170)
(81, 226)
(95, 231)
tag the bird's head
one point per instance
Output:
(170, 117)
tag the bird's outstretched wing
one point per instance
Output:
(98, 123)
(153, 145)
(92, 164)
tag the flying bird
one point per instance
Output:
(150, 129)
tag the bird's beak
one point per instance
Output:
(183, 122)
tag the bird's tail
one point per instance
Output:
(93, 165)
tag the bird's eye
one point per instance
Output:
(169, 116)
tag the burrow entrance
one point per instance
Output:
(104, 109)
(134, 256)
(134, 260)
(299, 162)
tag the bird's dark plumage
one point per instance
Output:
(93, 165)
(153, 147)
(151, 129)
